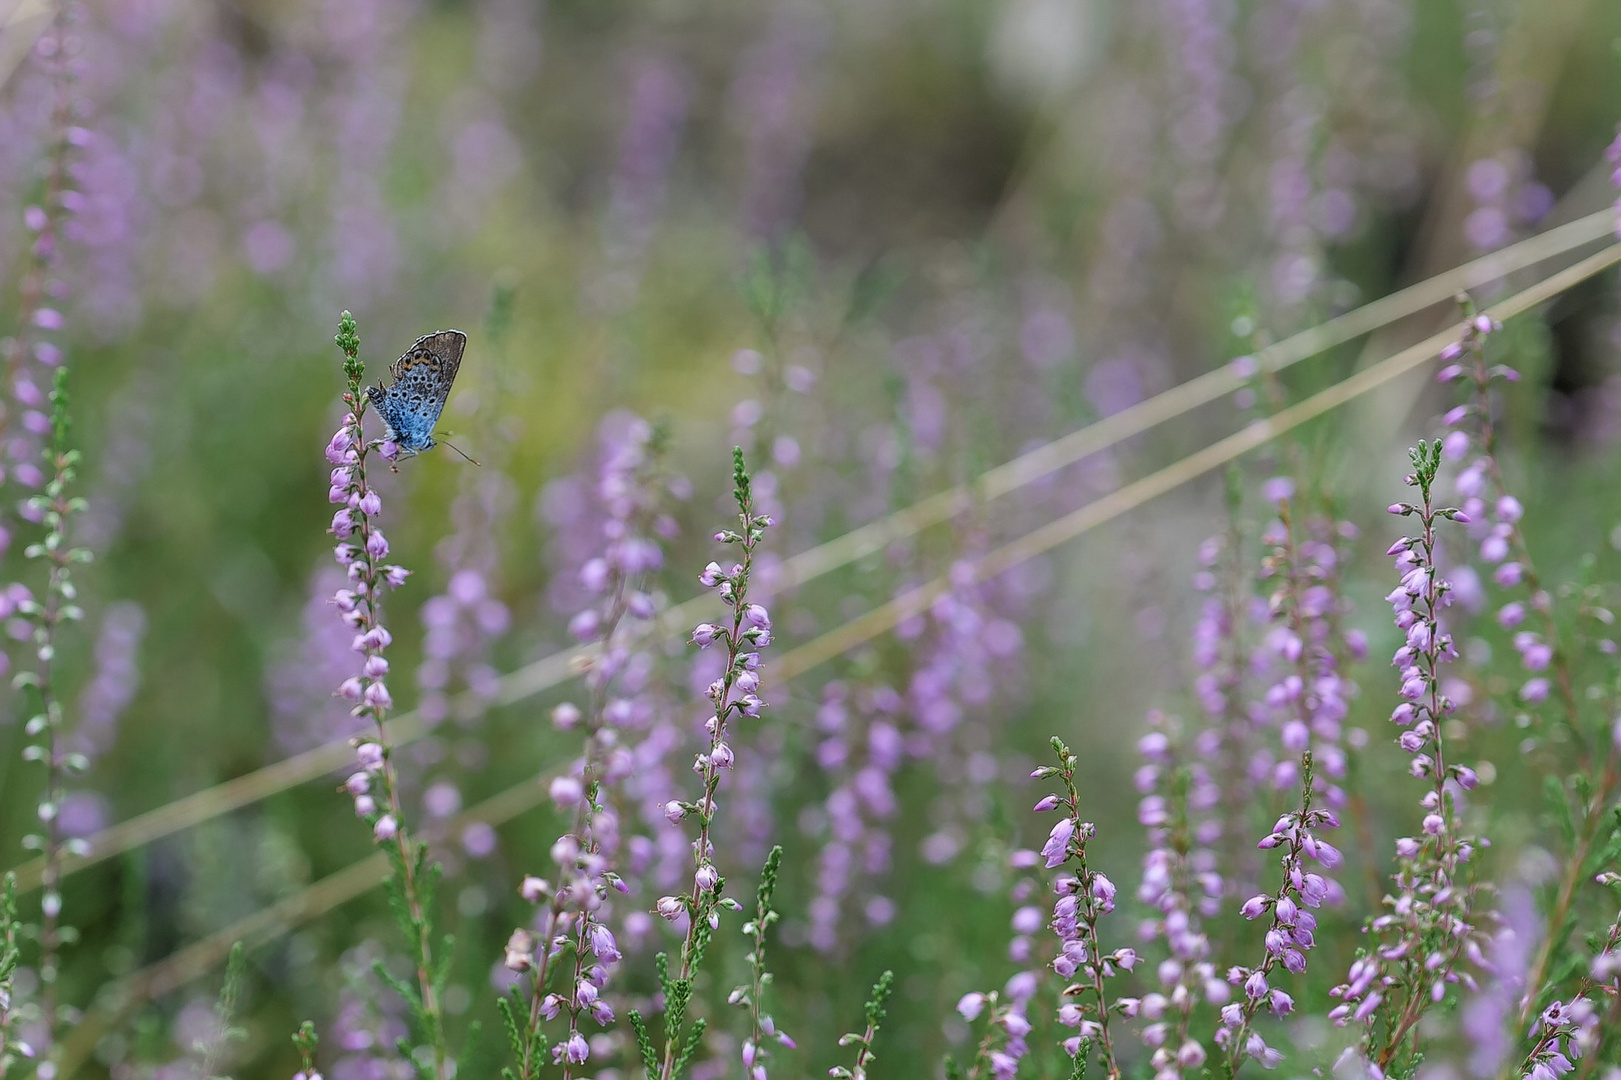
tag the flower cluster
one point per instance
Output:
(374, 788)
(861, 744)
(1561, 1032)
(1003, 1045)
(1308, 697)
(572, 924)
(458, 625)
(1292, 932)
(26, 420)
(1181, 882)
(45, 742)
(962, 665)
(1219, 654)
(360, 551)
(1427, 927)
(733, 695)
(1493, 513)
(367, 1024)
(117, 677)
(1084, 897)
(1572, 1029)
(577, 908)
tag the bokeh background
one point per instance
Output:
(881, 244)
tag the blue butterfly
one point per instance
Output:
(422, 379)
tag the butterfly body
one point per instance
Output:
(422, 377)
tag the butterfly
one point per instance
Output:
(422, 378)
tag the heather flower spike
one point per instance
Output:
(44, 732)
(1419, 944)
(1084, 897)
(1291, 933)
(572, 933)
(741, 636)
(762, 1028)
(375, 790)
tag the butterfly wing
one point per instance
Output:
(441, 351)
(422, 380)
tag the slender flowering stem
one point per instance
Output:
(586, 857)
(1504, 543)
(762, 1026)
(1082, 900)
(1603, 979)
(732, 695)
(375, 787)
(55, 508)
(1292, 932)
(1309, 692)
(875, 1016)
(1427, 928)
(1220, 652)
(45, 219)
(1181, 882)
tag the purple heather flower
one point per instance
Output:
(1429, 897)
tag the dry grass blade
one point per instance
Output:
(200, 957)
(1117, 503)
(556, 669)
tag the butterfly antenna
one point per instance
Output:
(456, 448)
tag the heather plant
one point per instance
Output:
(863, 1040)
(575, 905)
(45, 727)
(964, 288)
(375, 787)
(1430, 927)
(734, 697)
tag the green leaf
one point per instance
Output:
(644, 1042)
(880, 995)
(509, 1007)
(694, 1037)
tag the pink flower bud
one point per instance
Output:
(566, 716)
